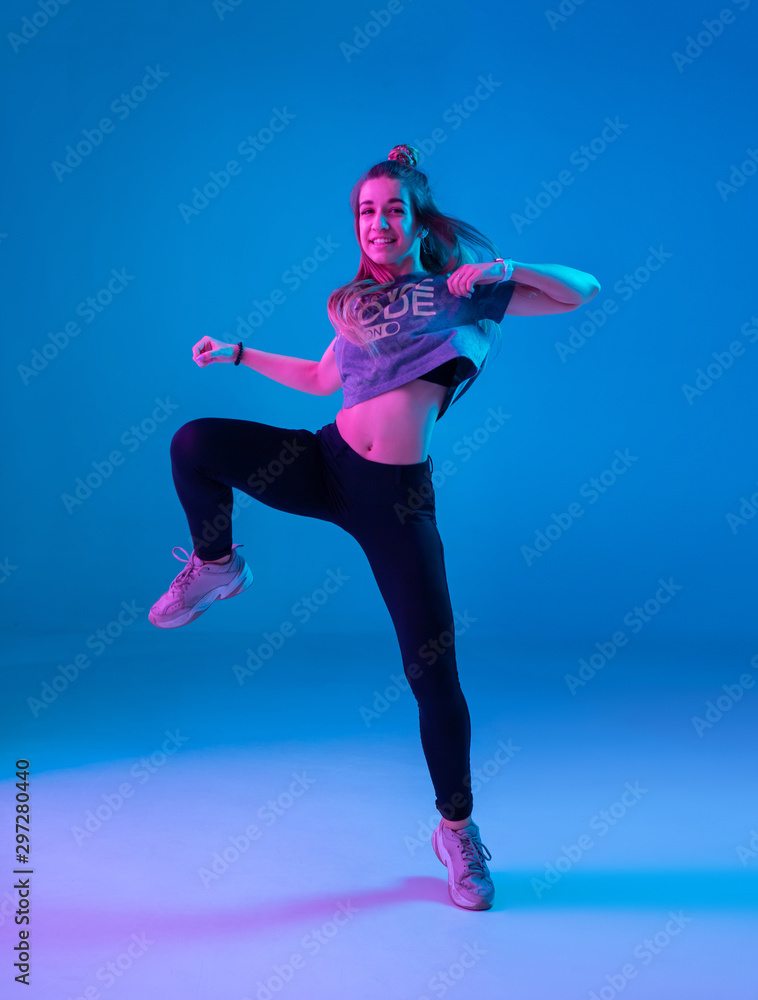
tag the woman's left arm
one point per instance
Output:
(539, 288)
(549, 288)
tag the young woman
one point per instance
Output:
(413, 333)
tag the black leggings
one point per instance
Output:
(389, 510)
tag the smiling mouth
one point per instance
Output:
(382, 241)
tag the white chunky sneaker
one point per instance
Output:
(468, 878)
(198, 586)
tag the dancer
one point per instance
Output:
(413, 332)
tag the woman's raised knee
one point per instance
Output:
(192, 436)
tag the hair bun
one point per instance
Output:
(407, 155)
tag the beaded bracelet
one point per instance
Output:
(239, 354)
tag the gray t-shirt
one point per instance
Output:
(417, 324)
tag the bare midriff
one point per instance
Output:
(395, 427)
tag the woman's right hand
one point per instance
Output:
(207, 351)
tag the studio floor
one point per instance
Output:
(207, 824)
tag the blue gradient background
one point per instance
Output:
(66, 573)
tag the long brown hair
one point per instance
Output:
(450, 242)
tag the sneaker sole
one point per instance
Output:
(219, 594)
(442, 855)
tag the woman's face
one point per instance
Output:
(388, 232)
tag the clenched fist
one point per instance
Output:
(207, 351)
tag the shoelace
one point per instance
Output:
(474, 852)
(185, 577)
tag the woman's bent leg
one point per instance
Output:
(279, 466)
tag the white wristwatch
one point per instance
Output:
(507, 267)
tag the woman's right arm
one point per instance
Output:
(297, 373)
(315, 377)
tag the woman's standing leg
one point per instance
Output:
(391, 513)
(407, 561)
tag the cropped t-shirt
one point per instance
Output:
(418, 324)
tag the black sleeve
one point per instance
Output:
(493, 298)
